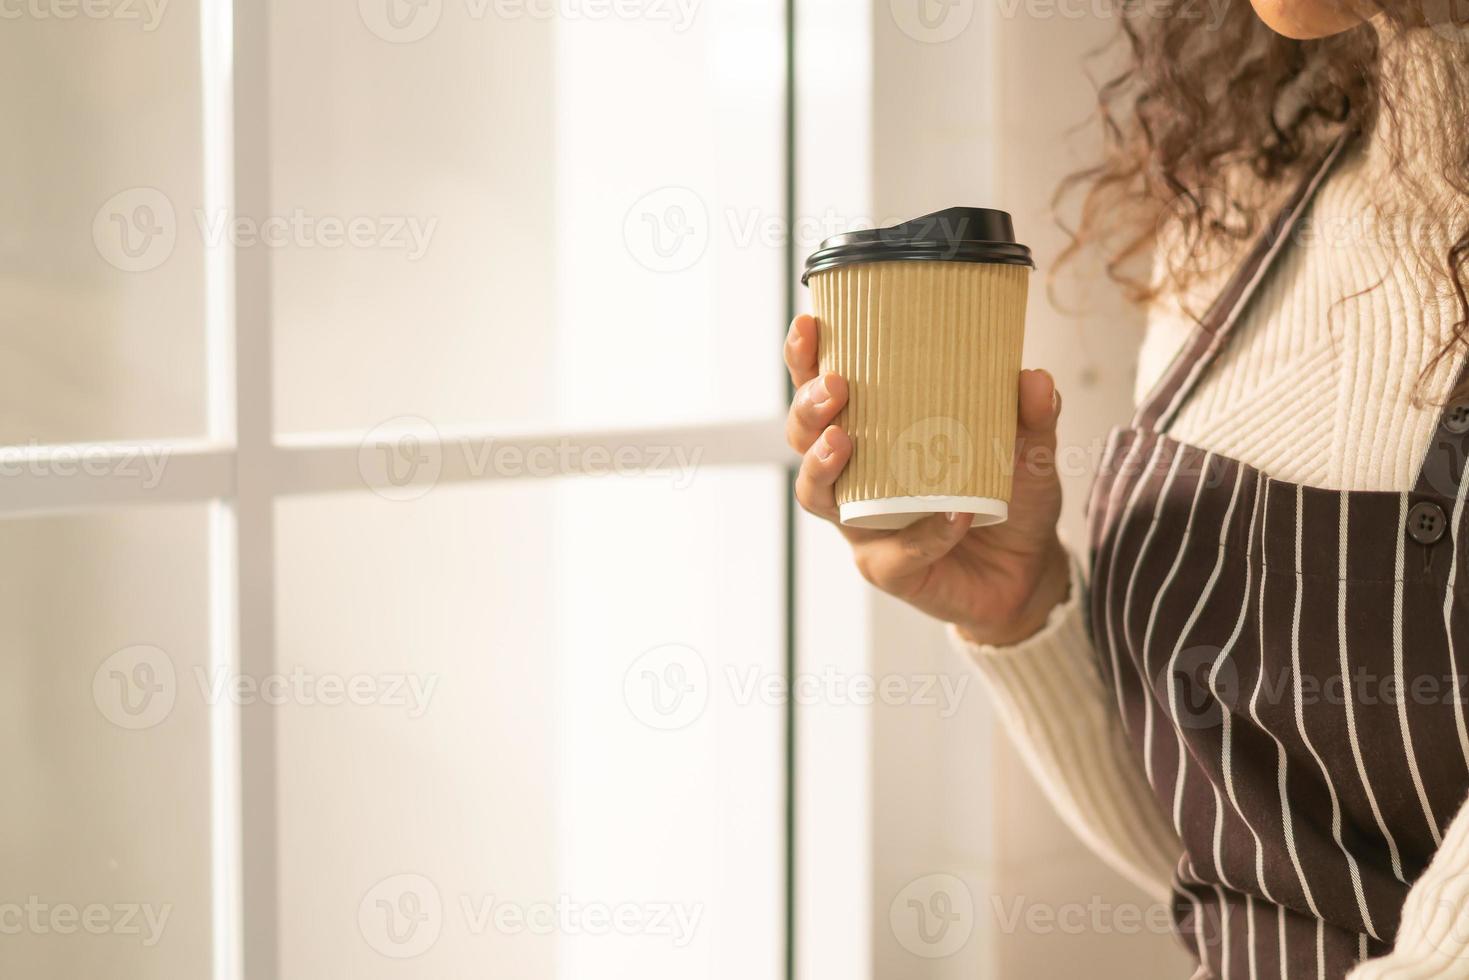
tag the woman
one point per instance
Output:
(1255, 707)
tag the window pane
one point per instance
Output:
(102, 298)
(565, 760)
(562, 221)
(106, 826)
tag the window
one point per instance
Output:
(394, 499)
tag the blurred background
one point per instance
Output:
(396, 553)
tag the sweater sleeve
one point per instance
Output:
(1433, 936)
(1064, 722)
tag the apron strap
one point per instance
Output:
(1162, 405)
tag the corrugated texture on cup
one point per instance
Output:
(931, 353)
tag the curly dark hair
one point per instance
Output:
(1215, 115)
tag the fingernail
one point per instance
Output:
(823, 449)
(819, 392)
(1055, 400)
(951, 517)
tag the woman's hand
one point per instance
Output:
(998, 583)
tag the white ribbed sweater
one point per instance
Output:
(1320, 384)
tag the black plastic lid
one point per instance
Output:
(950, 235)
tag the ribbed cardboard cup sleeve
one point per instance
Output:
(931, 352)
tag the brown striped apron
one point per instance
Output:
(1288, 665)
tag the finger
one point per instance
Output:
(900, 562)
(1035, 438)
(815, 405)
(801, 349)
(1035, 500)
(820, 467)
(1040, 402)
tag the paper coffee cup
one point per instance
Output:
(925, 320)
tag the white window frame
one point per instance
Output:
(240, 468)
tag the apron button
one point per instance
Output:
(1426, 522)
(1456, 418)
